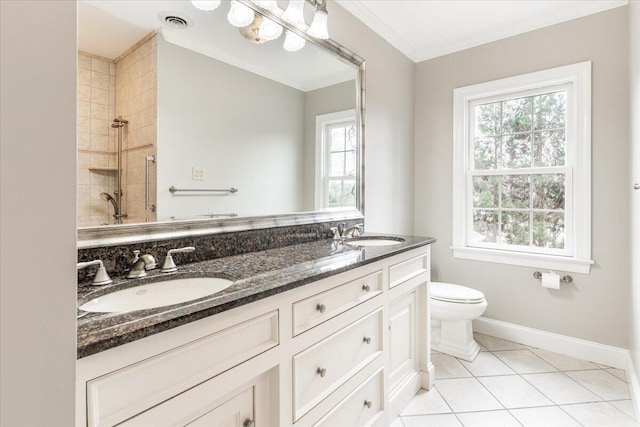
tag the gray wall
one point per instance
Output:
(596, 306)
(244, 130)
(37, 213)
(389, 124)
(330, 99)
(634, 50)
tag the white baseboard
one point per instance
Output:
(588, 350)
(634, 384)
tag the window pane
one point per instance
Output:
(485, 226)
(350, 166)
(487, 120)
(516, 151)
(549, 148)
(550, 110)
(486, 153)
(548, 191)
(337, 164)
(515, 191)
(515, 228)
(516, 115)
(548, 230)
(351, 137)
(341, 193)
(337, 138)
(485, 191)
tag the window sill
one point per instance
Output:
(548, 262)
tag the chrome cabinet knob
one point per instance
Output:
(249, 423)
(367, 403)
(636, 186)
(321, 308)
(366, 340)
(366, 288)
(322, 372)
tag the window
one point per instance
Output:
(336, 155)
(522, 170)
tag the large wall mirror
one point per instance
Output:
(187, 122)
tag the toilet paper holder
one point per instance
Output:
(563, 279)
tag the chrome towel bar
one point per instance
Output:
(173, 189)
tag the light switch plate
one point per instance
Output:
(197, 174)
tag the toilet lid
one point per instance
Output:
(449, 292)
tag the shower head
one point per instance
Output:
(108, 198)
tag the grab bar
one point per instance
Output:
(148, 159)
(173, 189)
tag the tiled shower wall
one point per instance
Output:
(96, 108)
(136, 94)
(108, 88)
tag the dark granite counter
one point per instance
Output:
(256, 275)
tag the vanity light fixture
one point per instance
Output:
(259, 29)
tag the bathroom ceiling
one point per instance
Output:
(424, 29)
(108, 28)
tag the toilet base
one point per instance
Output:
(455, 338)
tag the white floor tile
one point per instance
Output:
(487, 364)
(562, 362)
(549, 416)
(618, 373)
(427, 403)
(448, 420)
(602, 366)
(514, 392)
(493, 343)
(467, 395)
(598, 415)
(397, 423)
(489, 418)
(448, 367)
(524, 361)
(625, 406)
(560, 388)
(602, 383)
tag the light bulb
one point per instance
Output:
(293, 42)
(239, 15)
(267, 4)
(318, 28)
(269, 30)
(207, 5)
(294, 13)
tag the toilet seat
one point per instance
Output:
(448, 292)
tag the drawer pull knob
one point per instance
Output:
(366, 288)
(321, 308)
(249, 423)
(366, 340)
(322, 372)
(367, 403)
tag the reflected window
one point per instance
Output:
(336, 165)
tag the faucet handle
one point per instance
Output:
(136, 256)
(169, 266)
(101, 277)
(336, 233)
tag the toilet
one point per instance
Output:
(453, 307)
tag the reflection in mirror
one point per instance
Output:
(196, 122)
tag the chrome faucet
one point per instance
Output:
(354, 231)
(169, 266)
(101, 277)
(141, 264)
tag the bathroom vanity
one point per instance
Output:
(313, 334)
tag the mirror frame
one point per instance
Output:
(89, 237)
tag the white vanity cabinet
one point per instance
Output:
(350, 349)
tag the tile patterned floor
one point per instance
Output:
(510, 384)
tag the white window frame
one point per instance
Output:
(576, 80)
(322, 121)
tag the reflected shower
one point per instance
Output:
(118, 123)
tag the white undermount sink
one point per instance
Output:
(156, 294)
(374, 241)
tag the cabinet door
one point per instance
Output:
(402, 338)
(235, 412)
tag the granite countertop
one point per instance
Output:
(256, 275)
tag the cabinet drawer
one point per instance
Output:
(405, 270)
(117, 396)
(320, 369)
(314, 310)
(360, 408)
